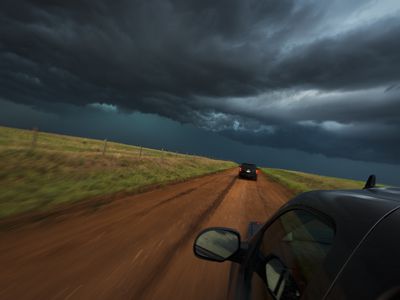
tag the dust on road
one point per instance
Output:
(137, 247)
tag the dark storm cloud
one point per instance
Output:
(359, 145)
(365, 57)
(275, 73)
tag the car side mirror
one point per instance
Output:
(217, 244)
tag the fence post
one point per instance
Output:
(105, 147)
(34, 138)
(140, 152)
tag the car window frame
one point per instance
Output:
(322, 216)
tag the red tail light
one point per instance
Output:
(257, 171)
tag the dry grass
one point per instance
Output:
(300, 182)
(62, 169)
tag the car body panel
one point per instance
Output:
(375, 264)
(354, 214)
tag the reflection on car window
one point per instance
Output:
(301, 241)
(218, 243)
(273, 271)
(279, 280)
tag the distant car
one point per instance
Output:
(248, 171)
(341, 244)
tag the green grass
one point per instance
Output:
(61, 169)
(300, 182)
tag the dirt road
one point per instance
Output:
(137, 247)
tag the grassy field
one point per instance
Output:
(300, 182)
(59, 169)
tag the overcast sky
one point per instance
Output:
(301, 84)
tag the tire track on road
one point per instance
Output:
(147, 210)
(170, 254)
(200, 279)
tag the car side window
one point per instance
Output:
(291, 250)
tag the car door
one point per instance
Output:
(372, 271)
(288, 255)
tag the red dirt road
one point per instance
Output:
(137, 247)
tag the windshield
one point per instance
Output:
(249, 166)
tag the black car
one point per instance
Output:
(248, 171)
(341, 244)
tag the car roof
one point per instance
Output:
(358, 210)
(386, 193)
(370, 203)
